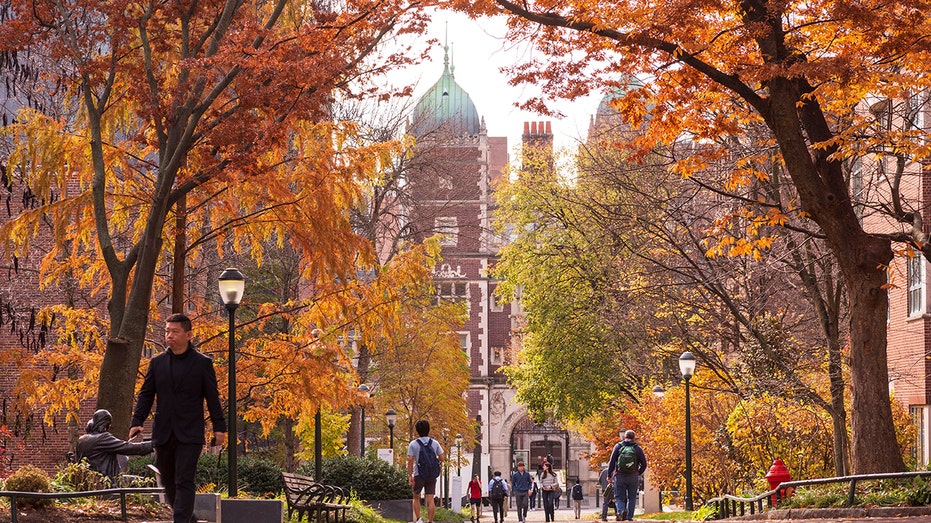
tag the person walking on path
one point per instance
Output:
(534, 493)
(475, 497)
(626, 465)
(181, 379)
(497, 493)
(607, 493)
(423, 467)
(550, 484)
(521, 483)
(577, 499)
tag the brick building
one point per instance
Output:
(24, 435)
(456, 167)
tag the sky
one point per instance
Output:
(478, 50)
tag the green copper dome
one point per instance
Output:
(446, 108)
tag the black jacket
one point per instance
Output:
(181, 383)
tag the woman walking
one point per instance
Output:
(475, 497)
(550, 484)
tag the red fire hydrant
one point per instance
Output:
(777, 474)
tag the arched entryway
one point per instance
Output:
(531, 442)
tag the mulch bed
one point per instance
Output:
(86, 512)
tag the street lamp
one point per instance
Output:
(459, 455)
(364, 389)
(391, 417)
(687, 368)
(232, 284)
(445, 471)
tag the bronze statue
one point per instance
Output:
(106, 453)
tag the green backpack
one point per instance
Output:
(627, 462)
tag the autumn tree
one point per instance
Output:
(799, 70)
(217, 104)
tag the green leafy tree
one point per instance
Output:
(800, 71)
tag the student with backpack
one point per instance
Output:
(626, 465)
(423, 467)
(577, 499)
(497, 493)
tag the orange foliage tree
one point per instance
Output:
(217, 109)
(796, 70)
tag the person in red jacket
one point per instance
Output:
(475, 497)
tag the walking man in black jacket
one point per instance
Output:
(181, 379)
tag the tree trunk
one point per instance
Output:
(838, 410)
(179, 257)
(862, 258)
(873, 446)
(116, 390)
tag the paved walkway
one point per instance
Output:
(885, 515)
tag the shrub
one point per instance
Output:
(370, 479)
(139, 465)
(256, 476)
(79, 476)
(259, 476)
(30, 479)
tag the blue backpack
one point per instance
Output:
(428, 465)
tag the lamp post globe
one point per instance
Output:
(391, 417)
(232, 285)
(687, 368)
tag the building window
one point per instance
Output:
(447, 226)
(921, 434)
(916, 112)
(497, 302)
(452, 290)
(916, 284)
(497, 355)
(465, 346)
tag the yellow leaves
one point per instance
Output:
(63, 375)
(751, 242)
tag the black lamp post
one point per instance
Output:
(391, 417)
(318, 446)
(364, 389)
(459, 454)
(232, 284)
(687, 368)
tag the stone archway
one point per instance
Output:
(532, 441)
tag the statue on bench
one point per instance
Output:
(105, 452)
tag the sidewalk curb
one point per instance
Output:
(834, 513)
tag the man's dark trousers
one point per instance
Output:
(177, 464)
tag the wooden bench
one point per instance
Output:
(317, 500)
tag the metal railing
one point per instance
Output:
(14, 495)
(728, 505)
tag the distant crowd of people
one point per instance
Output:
(620, 482)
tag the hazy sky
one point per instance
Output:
(478, 51)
